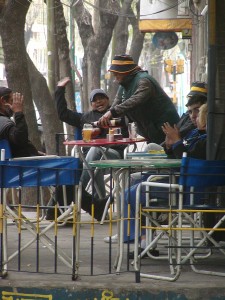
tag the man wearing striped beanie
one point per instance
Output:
(141, 99)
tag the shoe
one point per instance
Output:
(153, 252)
(163, 219)
(99, 204)
(114, 239)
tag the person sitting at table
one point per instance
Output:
(16, 133)
(196, 149)
(100, 105)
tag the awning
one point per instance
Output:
(165, 25)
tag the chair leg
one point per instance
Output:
(206, 236)
(175, 271)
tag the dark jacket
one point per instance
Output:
(79, 119)
(17, 135)
(143, 101)
(194, 145)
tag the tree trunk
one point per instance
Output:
(95, 41)
(21, 71)
(65, 69)
(12, 33)
(46, 108)
(138, 37)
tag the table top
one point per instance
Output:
(103, 142)
(145, 163)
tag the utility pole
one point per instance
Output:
(51, 45)
(174, 68)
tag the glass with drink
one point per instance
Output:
(86, 132)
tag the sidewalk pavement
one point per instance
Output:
(99, 281)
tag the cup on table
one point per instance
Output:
(86, 132)
(132, 129)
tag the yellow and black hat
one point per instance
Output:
(122, 64)
(198, 88)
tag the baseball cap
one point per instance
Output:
(97, 92)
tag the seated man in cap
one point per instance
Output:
(100, 105)
(15, 132)
(188, 122)
(141, 99)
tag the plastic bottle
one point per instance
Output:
(117, 122)
(95, 124)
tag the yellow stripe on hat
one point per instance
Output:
(197, 89)
(122, 62)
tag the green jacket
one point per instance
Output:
(142, 100)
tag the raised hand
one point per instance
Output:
(64, 81)
(17, 104)
(172, 134)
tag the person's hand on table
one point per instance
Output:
(63, 82)
(172, 134)
(104, 120)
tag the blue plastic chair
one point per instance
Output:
(209, 177)
(196, 180)
(78, 134)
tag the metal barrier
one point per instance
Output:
(37, 172)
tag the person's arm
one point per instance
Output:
(66, 115)
(197, 151)
(117, 100)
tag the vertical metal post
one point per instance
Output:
(174, 84)
(51, 44)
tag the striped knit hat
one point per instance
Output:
(198, 88)
(122, 64)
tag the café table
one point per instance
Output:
(103, 145)
(122, 168)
